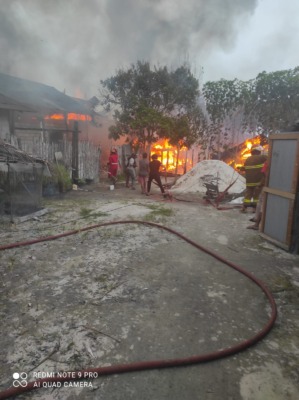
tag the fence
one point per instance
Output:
(88, 155)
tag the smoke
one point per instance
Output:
(73, 44)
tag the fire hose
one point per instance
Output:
(155, 364)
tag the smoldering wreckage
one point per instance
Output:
(217, 183)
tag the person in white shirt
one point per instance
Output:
(131, 171)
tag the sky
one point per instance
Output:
(74, 44)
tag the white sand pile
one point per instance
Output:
(210, 171)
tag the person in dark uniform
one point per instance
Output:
(154, 174)
(253, 174)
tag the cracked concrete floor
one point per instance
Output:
(126, 293)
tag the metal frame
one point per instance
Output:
(289, 195)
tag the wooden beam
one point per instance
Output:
(277, 192)
(296, 170)
(284, 136)
(45, 129)
(275, 242)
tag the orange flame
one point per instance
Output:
(246, 152)
(168, 155)
(70, 117)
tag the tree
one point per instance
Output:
(273, 103)
(149, 104)
(224, 102)
(142, 126)
(268, 103)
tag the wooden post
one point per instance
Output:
(177, 160)
(185, 166)
(11, 121)
(75, 153)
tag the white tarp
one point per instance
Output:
(210, 171)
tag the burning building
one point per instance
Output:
(175, 160)
(178, 161)
(55, 124)
(236, 156)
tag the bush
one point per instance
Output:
(60, 178)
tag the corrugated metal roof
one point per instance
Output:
(40, 97)
(7, 103)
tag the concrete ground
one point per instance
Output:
(126, 293)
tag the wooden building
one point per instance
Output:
(44, 122)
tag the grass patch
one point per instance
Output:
(101, 278)
(280, 284)
(157, 212)
(87, 212)
(99, 214)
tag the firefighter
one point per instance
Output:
(253, 175)
(113, 166)
(258, 212)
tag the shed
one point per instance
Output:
(20, 181)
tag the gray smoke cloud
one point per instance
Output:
(73, 44)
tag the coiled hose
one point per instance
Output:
(156, 364)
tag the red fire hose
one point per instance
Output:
(157, 364)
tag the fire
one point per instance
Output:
(70, 117)
(78, 117)
(172, 159)
(245, 152)
(248, 146)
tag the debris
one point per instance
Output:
(32, 216)
(89, 350)
(111, 290)
(100, 332)
(56, 348)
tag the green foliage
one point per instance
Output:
(221, 98)
(59, 176)
(87, 212)
(274, 103)
(157, 212)
(144, 124)
(150, 104)
(81, 182)
(268, 103)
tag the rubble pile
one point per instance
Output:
(210, 172)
